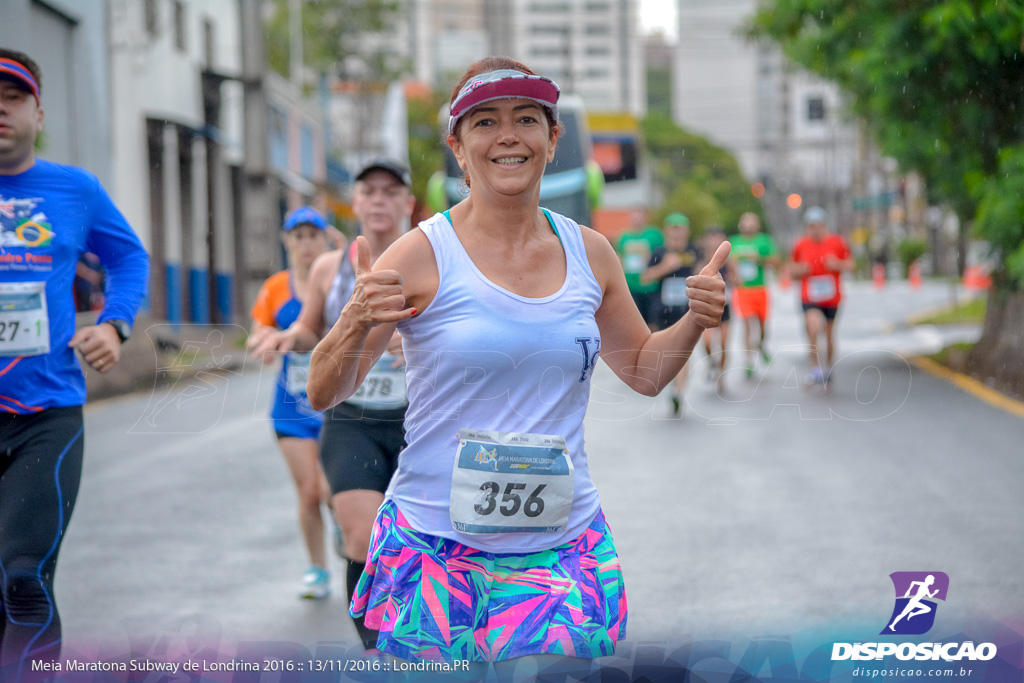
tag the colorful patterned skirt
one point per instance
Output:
(436, 599)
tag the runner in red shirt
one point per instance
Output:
(818, 259)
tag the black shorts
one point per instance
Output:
(645, 303)
(828, 311)
(725, 314)
(359, 448)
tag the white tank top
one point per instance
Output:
(480, 357)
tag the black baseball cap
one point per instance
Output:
(393, 167)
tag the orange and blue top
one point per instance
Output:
(277, 306)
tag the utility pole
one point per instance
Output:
(255, 241)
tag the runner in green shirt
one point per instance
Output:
(752, 250)
(635, 247)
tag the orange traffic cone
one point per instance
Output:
(975, 278)
(914, 275)
(878, 275)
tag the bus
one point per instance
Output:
(572, 183)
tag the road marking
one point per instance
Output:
(971, 386)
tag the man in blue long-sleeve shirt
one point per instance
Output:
(50, 214)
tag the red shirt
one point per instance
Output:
(821, 285)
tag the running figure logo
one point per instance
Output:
(916, 592)
(486, 457)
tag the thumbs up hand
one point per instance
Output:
(706, 290)
(377, 296)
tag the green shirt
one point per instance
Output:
(750, 254)
(635, 249)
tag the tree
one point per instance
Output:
(938, 82)
(426, 155)
(941, 85)
(338, 37)
(700, 179)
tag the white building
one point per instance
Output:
(592, 48)
(787, 128)
(178, 146)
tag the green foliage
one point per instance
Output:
(700, 179)
(659, 90)
(1001, 212)
(425, 152)
(939, 82)
(910, 250)
(331, 32)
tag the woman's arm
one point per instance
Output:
(383, 296)
(307, 329)
(647, 362)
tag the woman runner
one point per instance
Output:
(491, 544)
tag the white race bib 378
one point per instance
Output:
(384, 386)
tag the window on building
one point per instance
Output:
(598, 73)
(555, 51)
(308, 160)
(549, 7)
(179, 25)
(549, 30)
(596, 7)
(597, 29)
(151, 13)
(209, 44)
(278, 134)
(815, 109)
(598, 51)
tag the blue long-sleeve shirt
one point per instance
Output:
(49, 216)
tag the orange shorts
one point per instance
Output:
(751, 301)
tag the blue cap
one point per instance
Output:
(815, 214)
(304, 215)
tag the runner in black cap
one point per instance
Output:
(361, 437)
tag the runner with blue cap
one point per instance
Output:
(296, 424)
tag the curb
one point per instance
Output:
(971, 386)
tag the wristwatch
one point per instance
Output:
(122, 327)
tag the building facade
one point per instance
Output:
(787, 128)
(177, 110)
(67, 38)
(592, 48)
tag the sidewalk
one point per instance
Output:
(159, 352)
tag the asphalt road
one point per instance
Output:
(767, 509)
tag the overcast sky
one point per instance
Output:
(659, 15)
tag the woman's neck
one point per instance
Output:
(502, 219)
